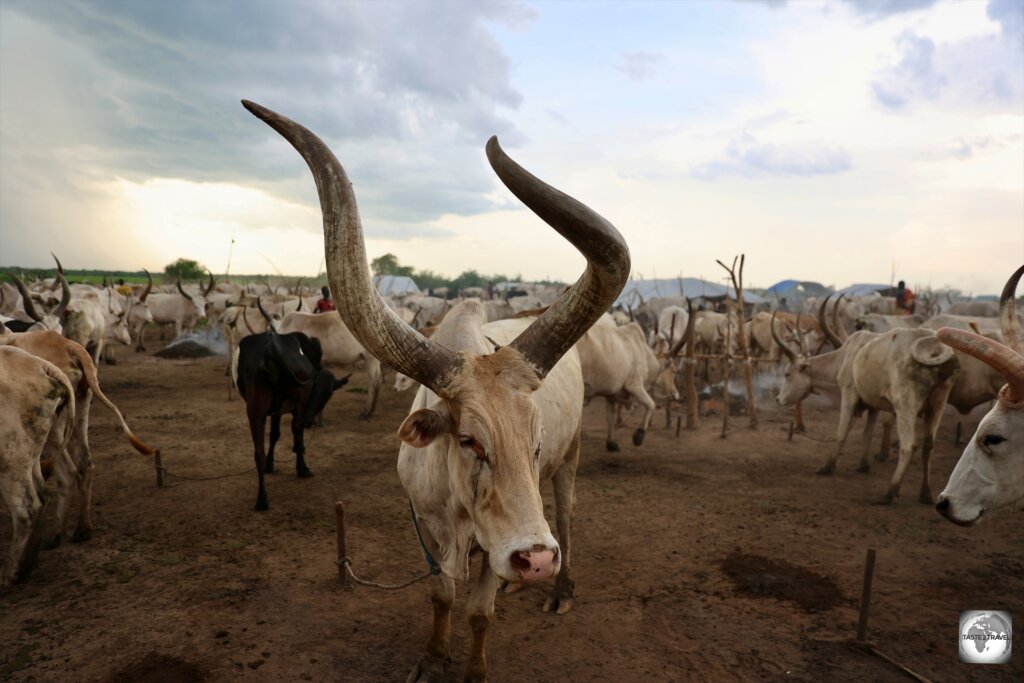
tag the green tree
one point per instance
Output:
(186, 269)
(388, 265)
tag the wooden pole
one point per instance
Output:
(679, 424)
(339, 513)
(741, 340)
(865, 596)
(691, 386)
(726, 368)
(159, 464)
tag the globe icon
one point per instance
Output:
(986, 637)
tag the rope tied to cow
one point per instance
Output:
(346, 562)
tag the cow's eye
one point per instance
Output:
(990, 440)
(466, 440)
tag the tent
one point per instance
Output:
(797, 289)
(865, 290)
(637, 291)
(395, 285)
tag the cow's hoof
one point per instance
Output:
(881, 456)
(560, 601)
(304, 473)
(638, 436)
(53, 542)
(262, 506)
(926, 498)
(428, 670)
(81, 536)
(474, 676)
(826, 469)
(799, 429)
(365, 416)
(111, 361)
(887, 499)
(510, 587)
(612, 446)
(864, 468)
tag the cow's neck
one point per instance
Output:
(824, 371)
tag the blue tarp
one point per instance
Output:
(780, 288)
(636, 291)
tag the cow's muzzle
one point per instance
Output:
(537, 564)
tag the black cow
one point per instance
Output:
(278, 373)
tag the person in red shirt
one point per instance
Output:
(905, 299)
(325, 304)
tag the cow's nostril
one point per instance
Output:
(520, 562)
(942, 506)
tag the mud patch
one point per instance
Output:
(156, 668)
(761, 577)
(185, 349)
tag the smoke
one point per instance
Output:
(197, 344)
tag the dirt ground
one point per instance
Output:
(696, 558)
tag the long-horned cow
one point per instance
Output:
(990, 474)
(904, 371)
(487, 425)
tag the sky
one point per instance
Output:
(839, 142)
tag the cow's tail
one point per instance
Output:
(92, 378)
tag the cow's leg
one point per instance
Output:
(869, 428)
(564, 483)
(24, 501)
(257, 413)
(431, 668)
(883, 453)
(81, 458)
(846, 409)
(275, 434)
(905, 426)
(140, 341)
(635, 387)
(299, 448)
(798, 417)
(932, 418)
(63, 471)
(108, 355)
(376, 372)
(480, 607)
(609, 441)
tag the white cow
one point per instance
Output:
(990, 474)
(487, 426)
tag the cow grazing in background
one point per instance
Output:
(181, 310)
(990, 474)
(487, 426)
(905, 371)
(341, 350)
(37, 411)
(280, 373)
(619, 366)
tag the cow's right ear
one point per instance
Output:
(421, 428)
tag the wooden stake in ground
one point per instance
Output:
(865, 595)
(339, 514)
(691, 377)
(741, 340)
(726, 367)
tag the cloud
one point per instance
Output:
(748, 158)
(978, 72)
(639, 66)
(151, 89)
(913, 77)
(878, 9)
(968, 147)
(1010, 15)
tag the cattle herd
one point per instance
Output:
(502, 386)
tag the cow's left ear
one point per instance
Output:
(421, 428)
